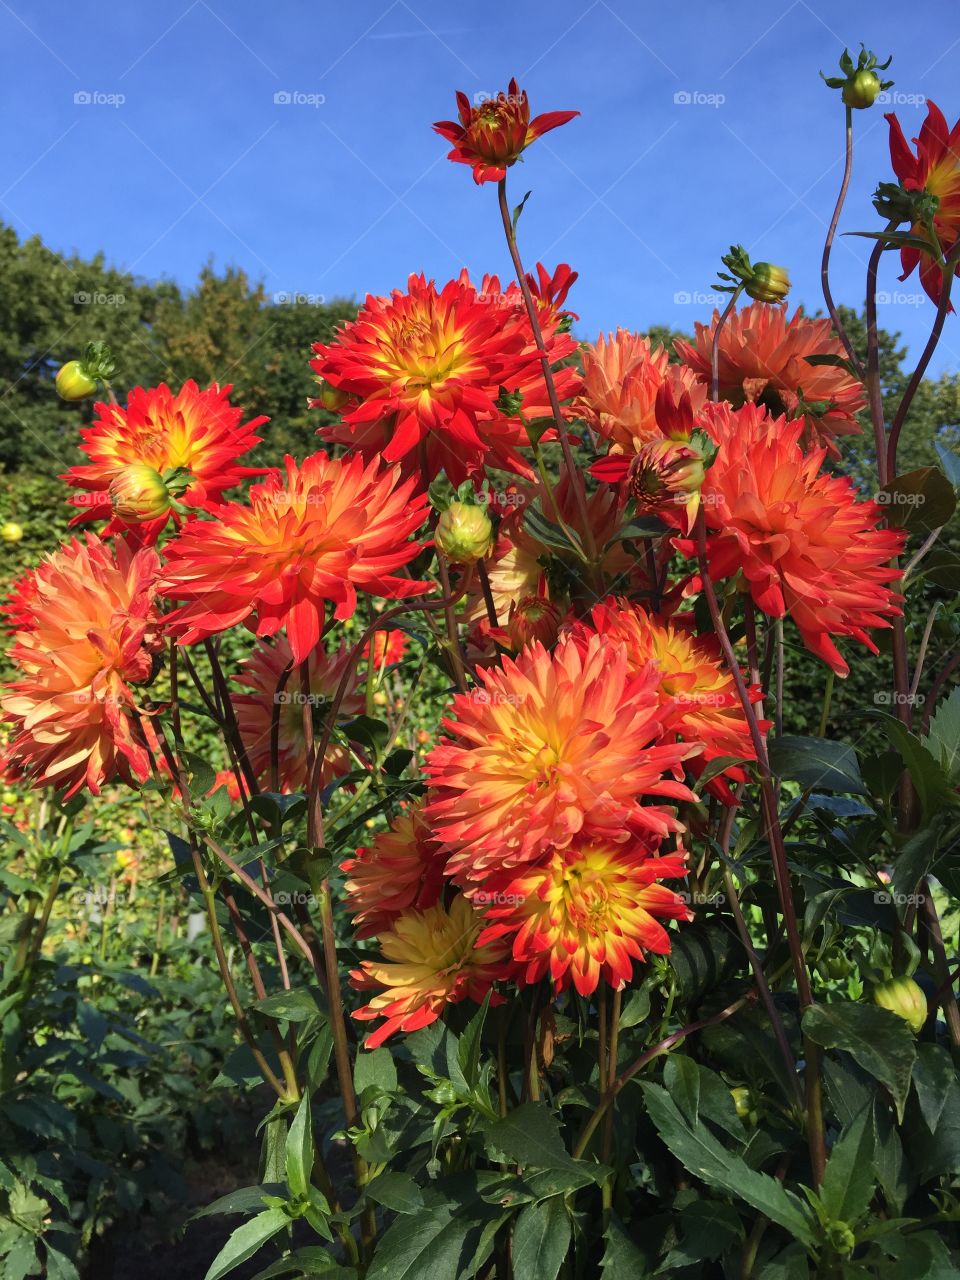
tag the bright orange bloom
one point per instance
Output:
(804, 543)
(425, 368)
(431, 958)
(401, 869)
(197, 431)
(934, 169)
(585, 914)
(389, 647)
(550, 746)
(89, 630)
(330, 527)
(765, 359)
(492, 134)
(263, 674)
(622, 375)
(695, 687)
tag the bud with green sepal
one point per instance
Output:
(78, 379)
(761, 281)
(139, 493)
(905, 998)
(860, 85)
(464, 532)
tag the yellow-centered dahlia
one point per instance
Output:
(430, 958)
(402, 868)
(549, 747)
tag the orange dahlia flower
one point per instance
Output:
(695, 688)
(622, 375)
(431, 958)
(805, 544)
(263, 674)
(328, 528)
(585, 914)
(765, 359)
(401, 869)
(388, 647)
(492, 134)
(423, 371)
(194, 431)
(934, 169)
(550, 746)
(88, 630)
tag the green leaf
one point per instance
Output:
(707, 1228)
(448, 1239)
(934, 789)
(541, 1239)
(20, 1260)
(368, 732)
(848, 1179)
(530, 1135)
(59, 1266)
(547, 532)
(622, 1259)
(950, 462)
(703, 956)
(700, 1152)
(292, 1006)
(242, 1200)
(300, 1150)
(933, 1074)
(246, 1240)
(375, 1068)
(468, 1049)
(817, 763)
(876, 1038)
(305, 1264)
(919, 501)
(943, 736)
(914, 861)
(396, 1191)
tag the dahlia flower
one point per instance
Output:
(88, 630)
(622, 375)
(695, 688)
(585, 914)
(935, 169)
(198, 432)
(492, 134)
(805, 544)
(431, 958)
(424, 370)
(325, 530)
(388, 647)
(550, 746)
(401, 869)
(765, 359)
(263, 674)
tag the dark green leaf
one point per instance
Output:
(396, 1191)
(541, 1239)
(242, 1200)
(468, 1049)
(943, 735)
(375, 1068)
(817, 763)
(876, 1038)
(848, 1180)
(246, 1240)
(919, 501)
(622, 1259)
(933, 1074)
(299, 1159)
(292, 1006)
(306, 1263)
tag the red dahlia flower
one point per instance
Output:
(325, 530)
(765, 359)
(935, 169)
(491, 135)
(88, 631)
(196, 432)
(423, 371)
(401, 869)
(551, 746)
(585, 914)
(805, 544)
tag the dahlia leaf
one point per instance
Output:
(943, 736)
(375, 1070)
(299, 1151)
(700, 1152)
(246, 1240)
(622, 1258)
(878, 1040)
(468, 1048)
(310, 1261)
(530, 1135)
(934, 789)
(541, 1239)
(396, 1191)
(919, 501)
(951, 462)
(291, 1006)
(848, 1179)
(817, 762)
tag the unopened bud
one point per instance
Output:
(905, 998)
(464, 533)
(73, 382)
(860, 85)
(11, 531)
(331, 397)
(138, 493)
(533, 618)
(767, 283)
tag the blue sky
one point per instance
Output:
(184, 153)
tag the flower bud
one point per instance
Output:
(767, 283)
(73, 382)
(859, 84)
(11, 531)
(861, 90)
(138, 494)
(743, 1102)
(533, 618)
(331, 398)
(464, 533)
(905, 998)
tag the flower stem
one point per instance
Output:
(828, 245)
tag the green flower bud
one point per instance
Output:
(767, 283)
(905, 998)
(138, 493)
(859, 85)
(11, 531)
(331, 397)
(861, 91)
(464, 533)
(73, 382)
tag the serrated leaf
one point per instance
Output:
(541, 1239)
(375, 1068)
(622, 1259)
(848, 1179)
(396, 1191)
(933, 1074)
(876, 1038)
(817, 763)
(242, 1200)
(943, 735)
(468, 1049)
(291, 1006)
(299, 1153)
(933, 787)
(306, 1263)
